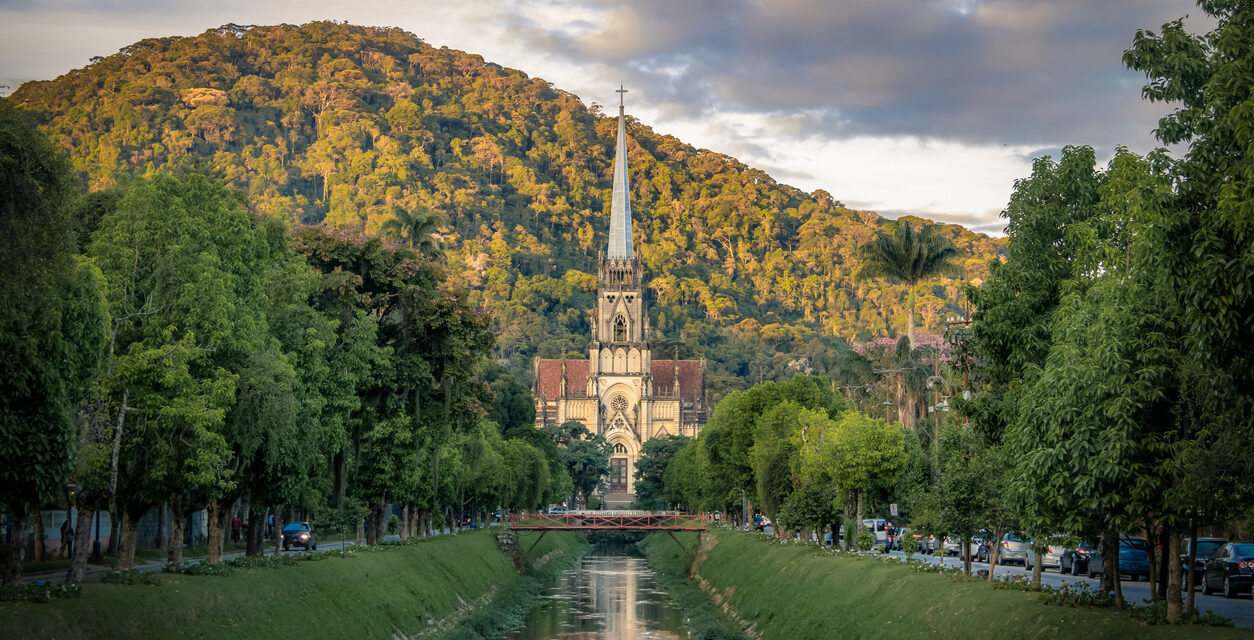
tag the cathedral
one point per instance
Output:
(621, 392)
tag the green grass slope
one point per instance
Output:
(795, 592)
(376, 594)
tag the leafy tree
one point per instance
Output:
(415, 228)
(650, 481)
(910, 257)
(52, 328)
(858, 453)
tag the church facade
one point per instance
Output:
(621, 392)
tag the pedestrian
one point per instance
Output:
(270, 526)
(236, 523)
(66, 539)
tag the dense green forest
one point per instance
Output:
(335, 123)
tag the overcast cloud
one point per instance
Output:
(929, 107)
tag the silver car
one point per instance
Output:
(1052, 558)
(1014, 548)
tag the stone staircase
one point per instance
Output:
(618, 500)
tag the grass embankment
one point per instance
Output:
(374, 594)
(796, 592)
(703, 618)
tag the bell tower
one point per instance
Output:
(619, 375)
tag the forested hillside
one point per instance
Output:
(334, 123)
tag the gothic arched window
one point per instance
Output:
(618, 404)
(619, 448)
(620, 328)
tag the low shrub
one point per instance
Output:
(131, 577)
(1077, 595)
(1156, 613)
(865, 540)
(39, 592)
(264, 562)
(198, 568)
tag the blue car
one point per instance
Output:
(1133, 559)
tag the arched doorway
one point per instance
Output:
(618, 469)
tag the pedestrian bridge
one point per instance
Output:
(606, 521)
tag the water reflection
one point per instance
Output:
(611, 595)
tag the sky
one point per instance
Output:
(925, 107)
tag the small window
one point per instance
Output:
(619, 448)
(620, 329)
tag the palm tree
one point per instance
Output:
(415, 228)
(908, 256)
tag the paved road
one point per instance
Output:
(1240, 609)
(94, 571)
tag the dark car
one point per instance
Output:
(299, 534)
(1230, 569)
(1206, 548)
(1133, 559)
(1076, 560)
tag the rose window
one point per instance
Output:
(618, 404)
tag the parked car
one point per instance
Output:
(1014, 548)
(879, 527)
(1206, 548)
(1229, 570)
(953, 546)
(299, 534)
(1076, 559)
(1051, 558)
(1133, 559)
(927, 544)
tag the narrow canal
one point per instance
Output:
(611, 595)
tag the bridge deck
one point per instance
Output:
(608, 522)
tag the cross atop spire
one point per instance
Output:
(620, 203)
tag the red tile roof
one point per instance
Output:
(549, 379)
(691, 378)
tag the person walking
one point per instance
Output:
(236, 523)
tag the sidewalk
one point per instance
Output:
(95, 571)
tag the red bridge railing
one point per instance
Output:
(621, 522)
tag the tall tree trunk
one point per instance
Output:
(126, 550)
(82, 543)
(40, 544)
(178, 520)
(214, 510)
(114, 515)
(1164, 564)
(1154, 580)
(255, 532)
(994, 553)
(159, 539)
(966, 555)
(13, 555)
(1036, 570)
(1192, 577)
(279, 523)
(115, 529)
(404, 530)
(910, 324)
(1174, 574)
(1109, 544)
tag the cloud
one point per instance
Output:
(1000, 71)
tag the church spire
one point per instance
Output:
(620, 204)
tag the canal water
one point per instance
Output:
(611, 595)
